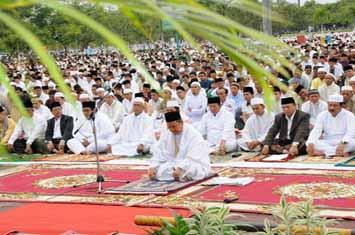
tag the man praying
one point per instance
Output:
(181, 153)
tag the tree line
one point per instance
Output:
(59, 32)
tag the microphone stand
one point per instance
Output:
(99, 178)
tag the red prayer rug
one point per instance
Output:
(43, 218)
(56, 183)
(329, 189)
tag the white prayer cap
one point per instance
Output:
(168, 89)
(346, 88)
(100, 89)
(331, 75)
(138, 100)
(109, 93)
(322, 70)
(196, 84)
(84, 96)
(256, 101)
(336, 98)
(172, 103)
(127, 91)
(181, 70)
(177, 81)
(38, 83)
(58, 94)
(352, 79)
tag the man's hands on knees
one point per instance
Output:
(177, 173)
(152, 173)
(140, 148)
(265, 150)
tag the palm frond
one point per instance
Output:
(38, 47)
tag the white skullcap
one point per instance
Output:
(138, 100)
(172, 103)
(181, 70)
(196, 84)
(84, 96)
(256, 101)
(58, 94)
(322, 70)
(352, 79)
(38, 83)
(168, 89)
(336, 98)
(176, 81)
(346, 88)
(100, 89)
(109, 93)
(331, 75)
(126, 91)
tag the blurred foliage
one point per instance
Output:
(58, 31)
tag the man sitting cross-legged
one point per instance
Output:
(28, 134)
(135, 135)
(59, 130)
(292, 128)
(218, 126)
(334, 131)
(84, 139)
(181, 154)
(256, 127)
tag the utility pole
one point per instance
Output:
(299, 3)
(267, 25)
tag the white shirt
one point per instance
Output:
(57, 133)
(43, 97)
(313, 109)
(341, 127)
(29, 128)
(115, 112)
(325, 91)
(218, 127)
(289, 124)
(44, 112)
(228, 105)
(195, 106)
(127, 105)
(257, 126)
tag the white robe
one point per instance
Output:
(188, 151)
(229, 106)
(255, 128)
(44, 112)
(217, 128)
(314, 109)
(195, 107)
(115, 112)
(135, 130)
(127, 105)
(326, 91)
(333, 131)
(84, 130)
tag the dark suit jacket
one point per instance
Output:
(66, 127)
(299, 128)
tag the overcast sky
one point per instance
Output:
(320, 1)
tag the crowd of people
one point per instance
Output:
(206, 104)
